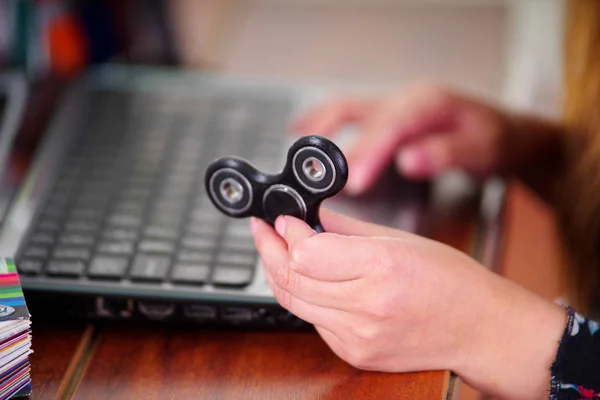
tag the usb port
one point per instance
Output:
(114, 307)
(237, 314)
(156, 311)
(198, 311)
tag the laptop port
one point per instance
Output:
(114, 307)
(156, 311)
(284, 316)
(237, 314)
(198, 311)
(266, 316)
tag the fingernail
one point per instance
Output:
(253, 225)
(280, 225)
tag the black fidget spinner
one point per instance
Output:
(315, 170)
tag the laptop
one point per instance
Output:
(112, 221)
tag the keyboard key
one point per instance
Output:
(101, 178)
(120, 234)
(166, 202)
(141, 180)
(175, 186)
(203, 230)
(58, 199)
(130, 207)
(108, 267)
(205, 207)
(237, 244)
(80, 239)
(81, 226)
(183, 173)
(203, 201)
(42, 238)
(49, 225)
(98, 190)
(86, 213)
(36, 251)
(150, 267)
(195, 256)
(190, 273)
(160, 232)
(244, 259)
(136, 194)
(118, 248)
(71, 253)
(167, 220)
(202, 217)
(53, 212)
(155, 246)
(172, 209)
(232, 275)
(127, 220)
(235, 230)
(92, 200)
(198, 243)
(30, 266)
(65, 268)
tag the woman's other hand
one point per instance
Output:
(426, 130)
(391, 301)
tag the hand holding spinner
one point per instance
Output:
(316, 169)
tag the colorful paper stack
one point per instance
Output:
(15, 335)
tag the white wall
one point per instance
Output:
(533, 79)
(379, 41)
(508, 50)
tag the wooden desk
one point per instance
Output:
(118, 362)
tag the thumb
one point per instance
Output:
(293, 230)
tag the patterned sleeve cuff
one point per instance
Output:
(576, 370)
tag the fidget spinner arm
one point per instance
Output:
(316, 169)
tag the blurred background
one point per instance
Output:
(507, 51)
(503, 49)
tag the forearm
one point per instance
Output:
(514, 348)
(534, 151)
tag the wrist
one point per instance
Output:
(529, 140)
(533, 150)
(515, 344)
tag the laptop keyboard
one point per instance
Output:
(129, 201)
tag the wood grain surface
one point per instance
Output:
(185, 364)
(54, 351)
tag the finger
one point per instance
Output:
(437, 154)
(414, 113)
(276, 262)
(327, 119)
(311, 313)
(343, 225)
(335, 258)
(270, 246)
